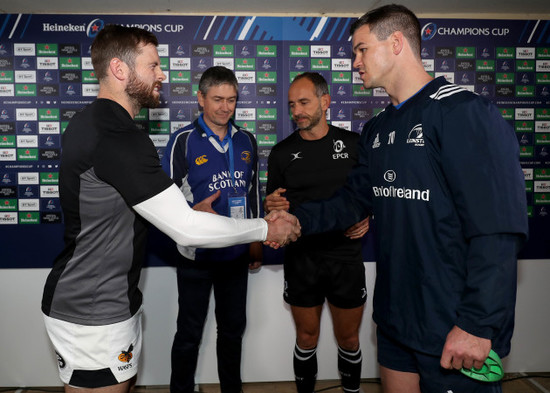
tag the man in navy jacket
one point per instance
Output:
(439, 170)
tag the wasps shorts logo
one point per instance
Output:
(60, 360)
(245, 156)
(201, 160)
(126, 356)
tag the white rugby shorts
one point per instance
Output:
(96, 356)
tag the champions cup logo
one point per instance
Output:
(94, 27)
(70, 90)
(25, 63)
(47, 77)
(429, 31)
(245, 51)
(26, 128)
(180, 114)
(201, 65)
(180, 50)
(341, 52)
(244, 91)
(341, 114)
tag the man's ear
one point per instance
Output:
(118, 68)
(325, 102)
(397, 42)
(200, 98)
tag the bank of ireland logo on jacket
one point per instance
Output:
(390, 176)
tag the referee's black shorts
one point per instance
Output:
(312, 275)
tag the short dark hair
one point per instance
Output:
(120, 42)
(388, 19)
(215, 76)
(321, 86)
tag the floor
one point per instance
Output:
(512, 383)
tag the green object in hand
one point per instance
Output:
(491, 371)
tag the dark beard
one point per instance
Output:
(314, 120)
(141, 94)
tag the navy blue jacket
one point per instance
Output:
(441, 176)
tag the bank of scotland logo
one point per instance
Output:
(94, 27)
(428, 31)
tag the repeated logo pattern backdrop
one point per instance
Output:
(46, 76)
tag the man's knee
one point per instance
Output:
(349, 342)
(307, 339)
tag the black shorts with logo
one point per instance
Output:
(318, 268)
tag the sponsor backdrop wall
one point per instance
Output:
(46, 76)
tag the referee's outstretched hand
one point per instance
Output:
(276, 201)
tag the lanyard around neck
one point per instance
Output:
(228, 140)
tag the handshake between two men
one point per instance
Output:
(283, 228)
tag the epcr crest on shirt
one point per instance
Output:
(237, 204)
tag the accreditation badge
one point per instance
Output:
(237, 205)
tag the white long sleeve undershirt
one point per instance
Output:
(170, 212)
